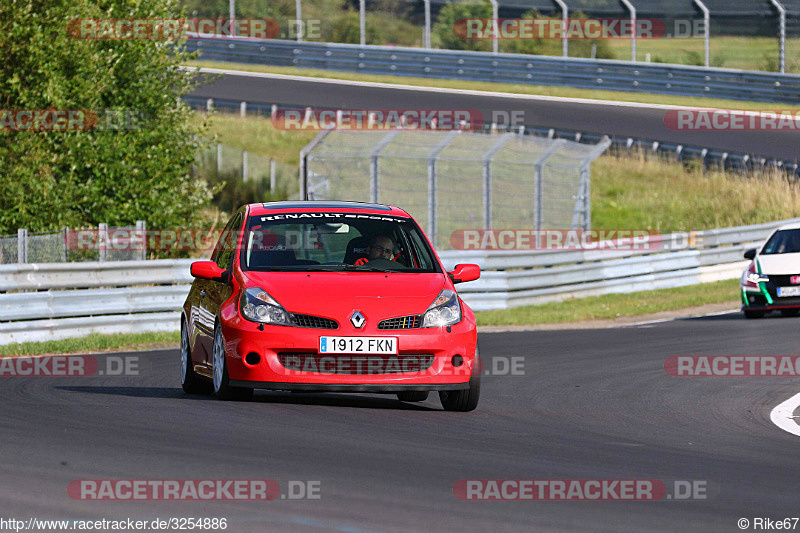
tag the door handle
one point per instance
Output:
(203, 293)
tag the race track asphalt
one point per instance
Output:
(640, 121)
(589, 404)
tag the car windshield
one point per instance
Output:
(786, 241)
(335, 242)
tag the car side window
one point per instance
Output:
(223, 253)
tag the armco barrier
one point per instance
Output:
(76, 299)
(508, 68)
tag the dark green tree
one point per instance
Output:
(142, 169)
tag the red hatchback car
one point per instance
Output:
(329, 296)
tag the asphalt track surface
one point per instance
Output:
(592, 404)
(638, 121)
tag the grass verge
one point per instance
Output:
(542, 90)
(96, 343)
(609, 306)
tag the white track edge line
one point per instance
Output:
(782, 414)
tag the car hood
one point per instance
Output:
(337, 294)
(778, 264)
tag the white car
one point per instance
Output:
(772, 281)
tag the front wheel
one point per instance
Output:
(219, 366)
(466, 399)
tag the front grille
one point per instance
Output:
(310, 321)
(401, 322)
(355, 364)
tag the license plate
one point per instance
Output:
(788, 291)
(369, 345)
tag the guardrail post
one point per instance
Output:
(243, 109)
(210, 104)
(272, 176)
(141, 233)
(219, 159)
(22, 245)
(244, 165)
(102, 241)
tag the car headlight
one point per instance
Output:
(444, 311)
(258, 306)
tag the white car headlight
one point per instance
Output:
(444, 311)
(258, 306)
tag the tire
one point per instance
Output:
(190, 381)
(790, 312)
(466, 399)
(412, 396)
(753, 314)
(219, 367)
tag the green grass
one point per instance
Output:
(542, 90)
(610, 306)
(638, 193)
(95, 343)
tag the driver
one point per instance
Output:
(380, 246)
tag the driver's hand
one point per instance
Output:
(361, 261)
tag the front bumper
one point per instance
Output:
(766, 299)
(275, 344)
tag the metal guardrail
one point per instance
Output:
(146, 296)
(508, 68)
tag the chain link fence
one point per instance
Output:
(455, 180)
(103, 243)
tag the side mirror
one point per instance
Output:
(209, 270)
(464, 273)
(750, 254)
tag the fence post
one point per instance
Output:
(565, 22)
(243, 109)
(538, 182)
(374, 168)
(219, 159)
(487, 178)
(707, 24)
(303, 170)
(432, 200)
(782, 29)
(22, 245)
(244, 165)
(272, 176)
(102, 240)
(141, 231)
(66, 243)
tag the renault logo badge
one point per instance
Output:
(357, 319)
